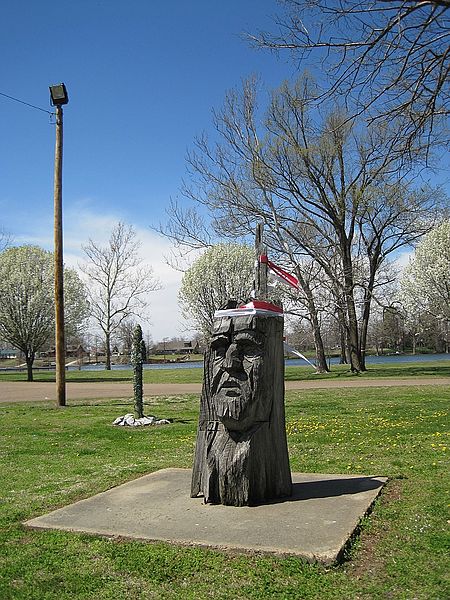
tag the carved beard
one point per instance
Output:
(234, 397)
(226, 454)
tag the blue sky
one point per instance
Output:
(143, 78)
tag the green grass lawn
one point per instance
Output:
(50, 457)
(293, 373)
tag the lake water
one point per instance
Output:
(370, 360)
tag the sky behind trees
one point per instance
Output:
(143, 78)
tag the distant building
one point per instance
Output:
(9, 353)
(75, 351)
(177, 347)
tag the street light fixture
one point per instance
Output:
(58, 94)
(59, 97)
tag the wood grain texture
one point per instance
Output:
(241, 455)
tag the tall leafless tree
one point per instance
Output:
(318, 182)
(118, 284)
(387, 59)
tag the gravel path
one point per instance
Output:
(22, 391)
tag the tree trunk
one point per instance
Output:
(29, 358)
(366, 311)
(108, 351)
(356, 359)
(241, 455)
(321, 359)
(344, 358)
(364, 327)
(261, 267)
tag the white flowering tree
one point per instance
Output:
(425, 285)
(224, 271)
(27, 300)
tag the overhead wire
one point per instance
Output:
(28, 104)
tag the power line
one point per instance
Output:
(27, 104)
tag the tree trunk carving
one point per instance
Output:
(241, 455)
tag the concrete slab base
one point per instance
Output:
(315, 523)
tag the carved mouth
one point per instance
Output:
(230, 387)
(233, 392)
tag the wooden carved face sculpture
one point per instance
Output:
(237, 359)
(241, 452)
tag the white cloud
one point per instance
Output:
(82, 223)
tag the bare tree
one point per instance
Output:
(118, 283)
(388, 59)
(318, 182)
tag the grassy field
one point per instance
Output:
(293, 373)
(51, 457)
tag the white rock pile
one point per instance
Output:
(129, 421)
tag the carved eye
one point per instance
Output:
(219, 347)
(220, 351)
(251, 351)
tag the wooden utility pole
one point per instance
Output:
(261, 267)
(60, 353)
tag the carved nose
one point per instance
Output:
(232, 359)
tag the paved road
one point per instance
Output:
(22, 391)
